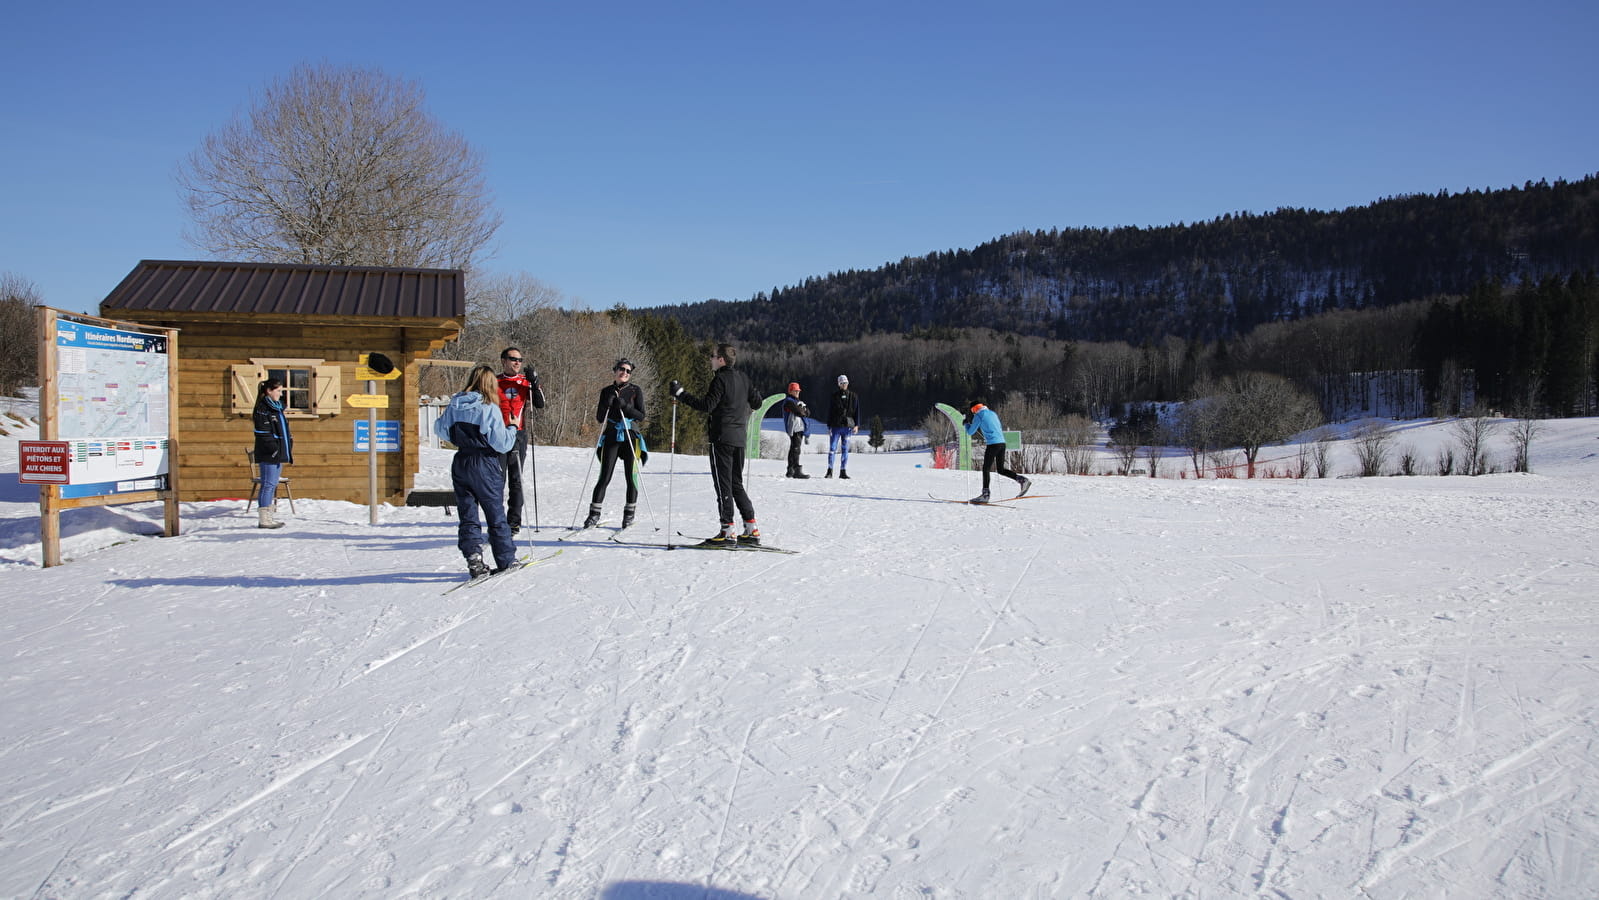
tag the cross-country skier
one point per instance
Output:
(473, 423)
(519, 389)
(983, 419)
(620, 409)
(727, 404)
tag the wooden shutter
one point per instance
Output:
(245, 381)
(326, 393)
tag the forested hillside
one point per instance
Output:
(1202, 281)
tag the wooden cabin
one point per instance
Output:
(309, 326)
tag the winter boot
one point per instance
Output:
(594, 516)
(627, 514)
(266, 516)
(751, 535)
(800, 473)
(829, 474)
(980, 498)
(842, 473)
(475, 566)
(1026, 484)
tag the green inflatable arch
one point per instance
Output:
(752, 437)
(963, 459)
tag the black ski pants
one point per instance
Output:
(512, 461)
(609, 452)
(727, 473)
(994, 458)
(794, 441)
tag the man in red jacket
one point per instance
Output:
(517, 390)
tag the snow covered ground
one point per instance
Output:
(1378, 687)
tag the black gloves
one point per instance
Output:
(676, 387)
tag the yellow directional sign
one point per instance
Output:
(368, 401)
(365, 372)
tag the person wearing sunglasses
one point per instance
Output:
(519, 389)
(619, 412)
(727, 403)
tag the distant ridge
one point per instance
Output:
(1201, 281)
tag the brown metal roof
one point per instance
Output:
(249, 287)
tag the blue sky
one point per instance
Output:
(648, 153)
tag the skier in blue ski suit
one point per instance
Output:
(473, 423)
(987, 421)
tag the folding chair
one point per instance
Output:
(255, 484)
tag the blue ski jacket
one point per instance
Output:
(986, 421)
(474, 426)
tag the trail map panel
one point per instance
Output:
(112, 408)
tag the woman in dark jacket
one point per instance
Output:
(620, 409)
(274, 448)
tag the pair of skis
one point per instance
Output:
(622, 536)
(520, 564)
(1004, 504)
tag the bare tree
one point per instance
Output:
(339, 166)
(1471, 433)
(1078, 434)
(1526, 427)
(1522, 433)
(1199, 427)
(1374, 440)
(502, 311)
(19, 339)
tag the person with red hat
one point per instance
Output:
(795, 426)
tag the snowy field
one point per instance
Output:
(1382, 688)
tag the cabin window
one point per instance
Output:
(312, 389)
(297, 394)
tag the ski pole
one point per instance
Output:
(533, 467)
(671, 470)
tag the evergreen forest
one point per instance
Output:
(1481, 299)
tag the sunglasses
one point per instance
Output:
(511, 358)
(623, 369)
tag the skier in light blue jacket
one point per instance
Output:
(986, 420)
(473, 423)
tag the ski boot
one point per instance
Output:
(751, 535)
(594, 516)
(980, 499)
(627, 515)
(1026, 484)
(724, 538)
(829, 474)
(475, 566)
(843, 474)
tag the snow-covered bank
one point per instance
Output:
(1344, 687)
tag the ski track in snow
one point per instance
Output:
(1381, 688)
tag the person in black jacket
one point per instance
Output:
(274, 448)
(620, 409)
(727, 404)
(843, 420)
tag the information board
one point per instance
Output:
(109, 383)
